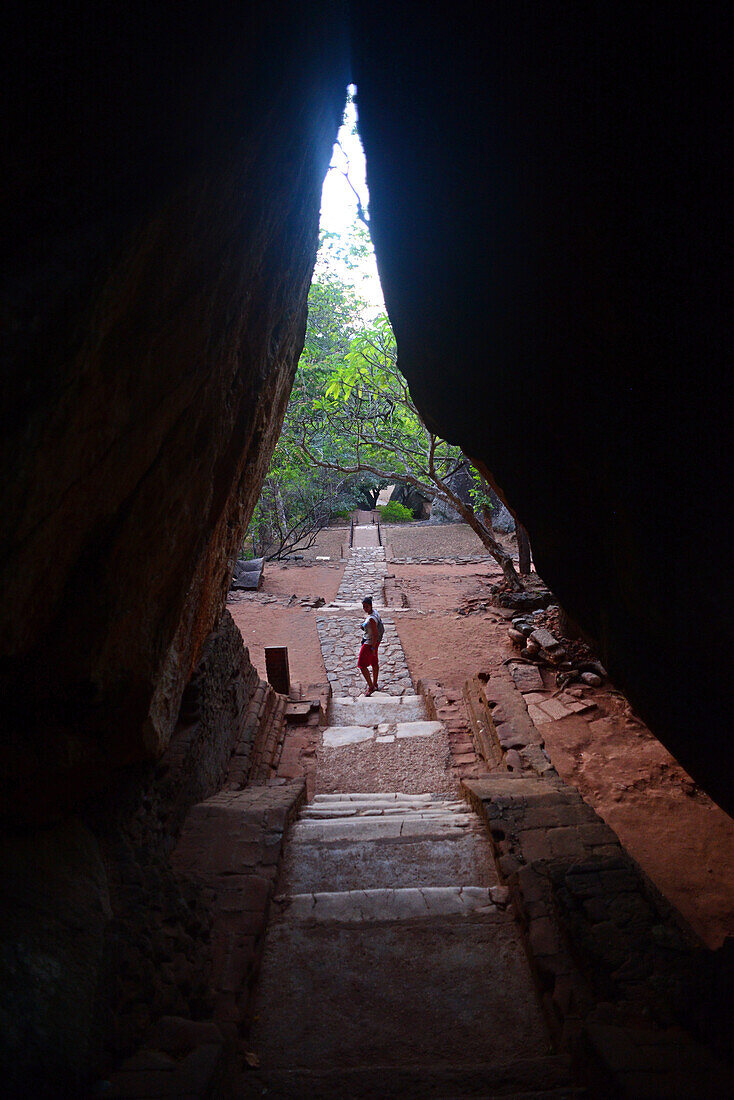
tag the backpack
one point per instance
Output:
(380, 627)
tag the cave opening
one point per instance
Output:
(551, 247)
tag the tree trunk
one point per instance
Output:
(282, 521)
(503, 559)
(523, 547)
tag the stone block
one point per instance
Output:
(535, 845)
(543, 937)
(537, 716)
(337, 736)
(597, 833)
(554, 708)
(566, 842)
(527, 678)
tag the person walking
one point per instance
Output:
(372, 631)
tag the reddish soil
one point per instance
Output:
(274, 623)
(679, 837)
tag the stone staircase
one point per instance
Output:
(387, 935)
(393, 965)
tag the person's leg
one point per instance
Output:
(375, 673)
(363, 664)
(366, 673)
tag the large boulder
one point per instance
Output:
(460, 483)
(160, 225)
(411, 497)
(550, 205)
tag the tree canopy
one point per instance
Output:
(351, 428)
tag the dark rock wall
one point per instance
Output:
(162, 169)
(99, 936)
(160, 227)
(549, 204)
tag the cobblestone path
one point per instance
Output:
(340, 637)
(364, 575)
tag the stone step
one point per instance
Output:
(376, 709)
(380, 828)
(355, 811)
(530, 1079)
(405, 992)
(372, 809)
(350, 864)
(378, 905)
(374, 796)
(336, 737)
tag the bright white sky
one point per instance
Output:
(339, 205)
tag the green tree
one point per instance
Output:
(298, 499)
(364, 421)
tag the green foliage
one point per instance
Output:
(298, 497)
(392, 512)
(352, 428)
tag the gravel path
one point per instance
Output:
(418, 765)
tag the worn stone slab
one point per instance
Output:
(528, 1079)
(376, 709)
(418, 729)
(371, 796)
(371, 809)
(527, 677)
(554, 708)
(422, 987)
(374, 905)
(377, 828)
(337, 736)
(462, 856)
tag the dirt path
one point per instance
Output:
(680, 838)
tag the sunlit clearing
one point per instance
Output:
(346, 247)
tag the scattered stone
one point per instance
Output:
(513, 760)
(248, 575)
(591, 679)
(515, 636)
(525, 625)
(522, 601)
(544, 639)
(527, 677)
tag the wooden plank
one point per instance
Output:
(482, 722)
(276, 666)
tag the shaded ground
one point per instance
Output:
(680, 838)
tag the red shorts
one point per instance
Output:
(367, 656)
